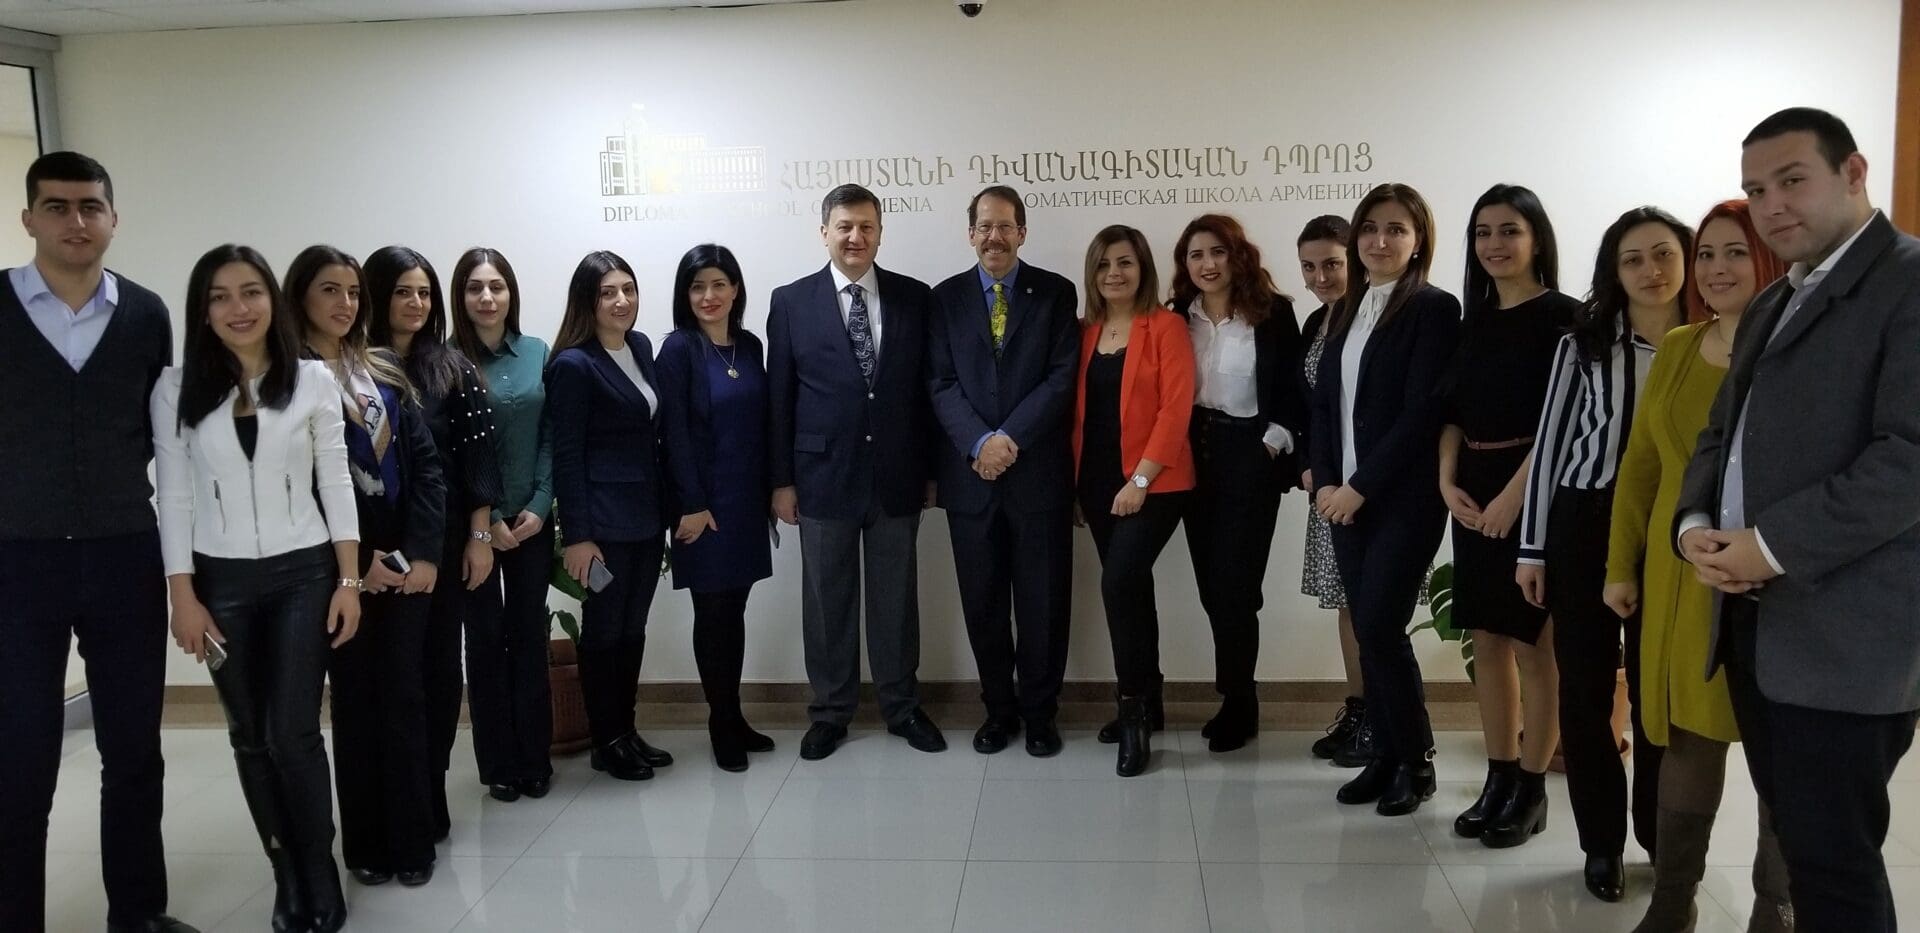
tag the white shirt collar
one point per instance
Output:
(32, 285)
(1798, 275)
(869, 282)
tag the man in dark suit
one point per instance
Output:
(846, 364)
(1002, 350)
(1802, 506)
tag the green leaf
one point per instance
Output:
(567, 622)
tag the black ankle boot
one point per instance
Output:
(1606, 877)
(1523, 817)
(750, 740)
(1368, 785)
(1501, 778)
(729, 752)
(1237, 722)
(1135, 747)
(619, 760)
(1345, 724)
(1359, 750)
(1413, 784)
(1156, 720)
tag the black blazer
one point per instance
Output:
(686, 418)
(1303, 441)
(1396, 412)
(1027, 391)
(461, 421)
(844, 446)
(606, 455)
(1276, 373)
(423, 488)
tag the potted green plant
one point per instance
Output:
(1440, 606)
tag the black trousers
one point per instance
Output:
(273, 612)
(446, 614)
(508, 693)
(1128, 548)
(1016, 566)
(720, 650)
(1230, 516)
(1824, 775)
(613, 636)
(381, 759)
(110, 593)
(1587, 643)
(1383, 558)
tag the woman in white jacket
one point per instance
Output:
(263, 578)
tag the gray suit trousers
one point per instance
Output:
(831, 558)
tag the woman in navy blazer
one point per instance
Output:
(713, 401)
(1376, 443)
(607, 485)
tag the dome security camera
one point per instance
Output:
(970, 8)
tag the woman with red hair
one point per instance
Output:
(1692, 717)
(1248, 413)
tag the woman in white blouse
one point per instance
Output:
(263, 578)
(1248, 412)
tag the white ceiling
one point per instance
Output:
(78, 17)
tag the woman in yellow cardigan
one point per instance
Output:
(1683, 710)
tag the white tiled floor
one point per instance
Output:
(882, 838)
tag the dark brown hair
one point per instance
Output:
(1411, 280)
(1252, 290)
(1149, 279)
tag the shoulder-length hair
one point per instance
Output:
(697, 260)
(583, 299)
(354, 348)
(1596, 326)
(1252, 290)
(431, 364)
(1410, 281)
(1479, 293)
(208, 370)
(465, 335)
(1097, 309)
(1767, 264)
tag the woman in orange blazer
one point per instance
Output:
(1134, 465)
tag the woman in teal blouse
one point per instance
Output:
(506, 619)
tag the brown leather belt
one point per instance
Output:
(1498, 445)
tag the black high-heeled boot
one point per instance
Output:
(1135, 746)
(729, 752)
(1523, 816)
(1369, 784)
(1156, 720)
(1237, 722)
(320, 879)
(259, 787)
(1502, 776)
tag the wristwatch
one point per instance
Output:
(486, 536)
(352, 583)
(1140, 480)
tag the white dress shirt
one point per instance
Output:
(1225, 357)
(74, 334)
(869, 283)
(1358, 333)
(623, 357)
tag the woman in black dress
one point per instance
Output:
(1514, 319)
(713, 406)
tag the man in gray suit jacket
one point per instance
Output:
(1802, 506)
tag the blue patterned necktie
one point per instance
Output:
(860, 333)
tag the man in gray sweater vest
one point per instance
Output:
(80, 349)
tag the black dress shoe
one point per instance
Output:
(1345, 724)
(536, 787)
(1412, 785)
(750, 740)
(416, 877)
(654, 757)
(729, 754)
(1368, 785)
(993, 735)
(620, 761)
(920, 732)
(821, 739)
(1043, 739)
(157, 924)
(371, 877)
(505, 793)
(1502, 778)
(1606, 877)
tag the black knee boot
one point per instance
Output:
(260, 786)
(1135, 747)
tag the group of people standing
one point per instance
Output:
(354, 469)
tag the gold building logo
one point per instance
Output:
(641, 162)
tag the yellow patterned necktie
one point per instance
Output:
(998, 321)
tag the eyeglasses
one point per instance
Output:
(991, 229)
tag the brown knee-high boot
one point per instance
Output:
(1772, 905)
(1681, 863)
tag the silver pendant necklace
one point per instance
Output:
(732, 373)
